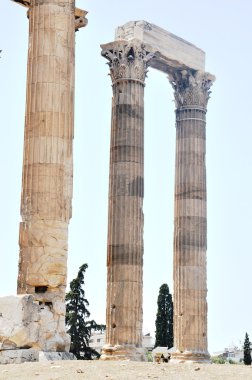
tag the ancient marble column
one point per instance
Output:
(128, 66)
(48, 159)
(191, 89)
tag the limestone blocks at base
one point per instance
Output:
(25, 323)
(30, 355)
(51, 356)
(18, 356)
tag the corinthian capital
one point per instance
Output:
(127, 60)
(191, 87)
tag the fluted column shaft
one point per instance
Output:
(190, 219)
(47, 163)
(125, 235)
(126, 189)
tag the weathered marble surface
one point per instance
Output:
(19, 356)
(25, 323)
(47, 163)
(47, 176)
(31, 355)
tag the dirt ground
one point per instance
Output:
(96, 370)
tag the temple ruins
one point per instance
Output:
(33, 322)
(137, 46)
(39, 308)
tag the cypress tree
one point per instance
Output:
(246, 350)
(164, 318)
(77, 313)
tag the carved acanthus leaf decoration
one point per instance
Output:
(127, 60)
(191, 87)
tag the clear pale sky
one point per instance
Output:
(223, 30)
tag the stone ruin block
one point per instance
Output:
(29, 324)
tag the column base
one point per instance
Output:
(127, 352)
(190, 357)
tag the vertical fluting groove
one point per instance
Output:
(47, 162)
(125, 224)
(47, 167)
(190, 182)
(190, 305)
(132, 210)
(134, 95)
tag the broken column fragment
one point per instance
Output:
(26, 324)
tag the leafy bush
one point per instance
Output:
(218, 360)
(231, 361)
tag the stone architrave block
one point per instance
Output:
(173, 50)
